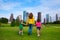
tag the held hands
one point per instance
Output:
(24, 23)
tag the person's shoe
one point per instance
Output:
(38, 35)
(19, 33)
(28, 33)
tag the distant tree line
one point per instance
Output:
(56, 22)
(3, 20)
(15, 22)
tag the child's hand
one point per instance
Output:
(24, 24)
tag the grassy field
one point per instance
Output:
(49, 32)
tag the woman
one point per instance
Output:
(30, 21)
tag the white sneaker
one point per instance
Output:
(38, 35)
(19, 33)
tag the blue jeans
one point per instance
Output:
(30, 28)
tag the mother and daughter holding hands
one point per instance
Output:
(30, 22)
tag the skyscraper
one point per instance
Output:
(47, 18)
(25, 15)
(11, 17)
(59, 18)
(20, 17)
(50, 19)
(56, 17)
(44, 21)
(39, 15)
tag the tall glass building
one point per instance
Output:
(47, 18)
(25, 15)
(44, 20)
(11, 17)
(39, 15)
(56, 17)
(50, 19)
(59, 18)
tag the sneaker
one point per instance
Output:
(38, 35)
(19, 33)
(28, 33)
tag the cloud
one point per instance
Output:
(45, 7)
(5, 15)
(8, 5)
(50, 2)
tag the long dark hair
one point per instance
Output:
(30, 15)
(38, 20)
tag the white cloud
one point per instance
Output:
(48, 3)
(8, 6)
(5, 15)
(44, 7)
(17, 13)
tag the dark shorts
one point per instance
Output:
(38, 28)
(21, 29)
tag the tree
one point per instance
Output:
(13, 23)
(3, 20)
(17, 21)
(0, 24)
(56, 22)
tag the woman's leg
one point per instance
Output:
(30, 28)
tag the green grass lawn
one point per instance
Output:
(47, 33)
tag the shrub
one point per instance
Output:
(3, 20)
(0, 24)
(17, 22)
(13, 22)
(56, 22)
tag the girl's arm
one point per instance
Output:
(35, 23)
(41, 25)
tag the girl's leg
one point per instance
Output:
(38, 32)
(19, 31)
(22, 32)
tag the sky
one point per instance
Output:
(17, 7)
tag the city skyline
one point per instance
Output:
(25, 15)
(51, 7)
